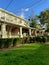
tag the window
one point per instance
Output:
(2, 17)
(20, 22)
(7, 17)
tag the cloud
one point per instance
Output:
(27, 9)
(22, 13)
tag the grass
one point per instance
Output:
(29, 54)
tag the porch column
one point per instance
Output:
(10, 33)
(20, 31)
(3, 31)
(30, 32)
(36, 32)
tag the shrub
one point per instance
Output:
(34, 39)
(37, 39)
(28, 40)
(31, 39)
(44, 39)
(8, 42)
(24, 40)
(19, 40)
(47, 38)
(2, 42)
(40, 39)
(15, 41)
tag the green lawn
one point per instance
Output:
(30, 54)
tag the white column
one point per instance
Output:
(3, 31)
(35, 32)
(21, 32)
(10, 33)
(30, 32)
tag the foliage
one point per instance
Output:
(33, 21)
(8, 43)
(5, 43)
(47, 30)
(18, 41)
(44, 39)
(44, 18)
(39, 39)
(24, 39)
(2, 42)
(15, 41)
(48, 38)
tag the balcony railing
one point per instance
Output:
(13, 20)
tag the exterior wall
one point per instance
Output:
(14, 23)
(11, 18)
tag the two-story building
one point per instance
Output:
(12, 26)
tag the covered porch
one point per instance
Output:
(14, 31)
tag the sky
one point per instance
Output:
(25, 8)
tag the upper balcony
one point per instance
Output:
(9, 17)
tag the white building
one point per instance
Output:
(12, 26)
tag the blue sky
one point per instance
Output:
(21, 7)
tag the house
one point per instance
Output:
(12, 26)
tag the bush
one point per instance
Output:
(31, 39)
(44, 39)
(40, 39)
(24, 40)
(47, 38)
(8, 42)
(15, 41)
(19, 41)
(34, 39)
(37, 39)
(28, 40)
(2, 42)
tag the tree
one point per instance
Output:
(44, 17)
(33, 22)
(47, 30)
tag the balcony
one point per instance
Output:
(13, 19)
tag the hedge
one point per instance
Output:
(8, 42)
(2, 42)
(48, 38)
(17, 41)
